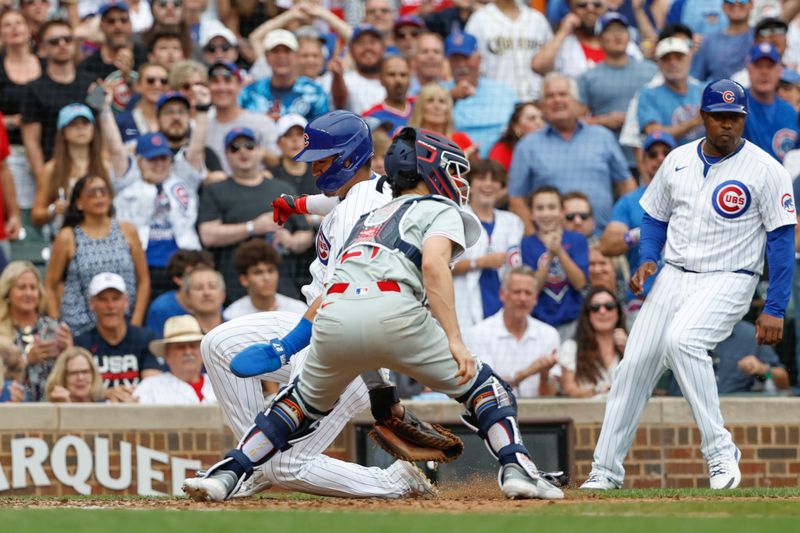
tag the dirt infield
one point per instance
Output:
(477, 496)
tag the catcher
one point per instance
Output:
(372, 315)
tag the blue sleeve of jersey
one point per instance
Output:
(653, 237)
(780, 257)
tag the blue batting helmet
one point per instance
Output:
(340, 133)
(724, 96)
(434, 158)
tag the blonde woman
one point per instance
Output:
(433, 111)
(23, 321)
(75, 378)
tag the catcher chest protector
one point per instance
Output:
(382, 228)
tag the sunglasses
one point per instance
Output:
(608, 306)
(584, 5)
(96, 192)
(174, 3)
(236, 146)
(582, 216)
(55, 41)
(654, 154)
(116, 20)
(772, 32)
(223, 47)
(407, 34)
(152, 80)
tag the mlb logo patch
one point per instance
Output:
(361, 290)
(731, 199)
(788, 203)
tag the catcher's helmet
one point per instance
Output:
(434, 158)
(724, 96)
(339, 133)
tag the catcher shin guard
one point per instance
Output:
(492, 414)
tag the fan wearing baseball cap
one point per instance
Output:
(225, 82)
(284, 91)
(674, 106)
(156, 191)
(120, 349)
(772, 121)
(360, 88)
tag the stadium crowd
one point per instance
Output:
(142, 144)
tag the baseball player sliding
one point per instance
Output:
(717, 203)
(340, 148)
(372, 316)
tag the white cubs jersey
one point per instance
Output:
(719, 214)
(362, 198)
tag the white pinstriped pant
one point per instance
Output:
(302, 467)
(684, 316)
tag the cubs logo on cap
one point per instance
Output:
(731, 199)
(305, 140)
(728, 97)
(788, 203)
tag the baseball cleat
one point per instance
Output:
(418, 483)
(598, 482)
(725, 474)
(516, 483)
(216, 487)
(256, 483)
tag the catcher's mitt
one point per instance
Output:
(413, 440)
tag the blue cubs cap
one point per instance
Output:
(790, 75)
(609, 18)
(460, 43)
(762, 50)
(152, 145)
(361, 29)
(108, 6)
(239, 132)
(70, 112)
(659, 136)
(169, 97)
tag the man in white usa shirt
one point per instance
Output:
(185, 383)
(521, 349)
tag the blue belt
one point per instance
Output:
(740, 271)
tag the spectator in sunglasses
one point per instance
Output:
(225, 83)
(576, 48)
(157, 190)
(60, 84)
(774, 32)
(407, 30)
(92, 241)
(219, 45)
(238, 208)
(578, 216)
(118, 51)
(589, 361)
(143, 118)
(724, 53)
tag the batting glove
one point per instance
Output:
(287, 205)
